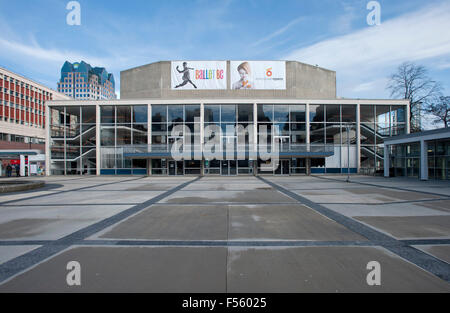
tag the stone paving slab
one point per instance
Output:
(408, 227)
(323, 269)
(391, 209)
(233, 222)
(10, 252)
(129, 269)
(440, 251)
(50, 222)
(443, 205)
(93, 197)
(183, 222)
(288, 222)
(247, 196)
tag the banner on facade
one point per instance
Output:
(202, 75)
(261, 75)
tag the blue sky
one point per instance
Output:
(35, 39)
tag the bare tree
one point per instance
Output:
(412, 82)
(440, 109)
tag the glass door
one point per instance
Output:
(172, 168)
(176, 168)
(283, 142)
(283, 168)
(224, 168)
(228, 168)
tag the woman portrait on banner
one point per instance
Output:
(245, 73)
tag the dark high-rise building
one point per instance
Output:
(84, 82)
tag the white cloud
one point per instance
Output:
(40, 53)
(278, 32)
(366, 55)
(416, 36)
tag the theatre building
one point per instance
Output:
(223, 118)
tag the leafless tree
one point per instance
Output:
(412, 82)
(440, 109)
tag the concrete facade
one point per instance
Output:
(153, 81)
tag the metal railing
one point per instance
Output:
(282, 148)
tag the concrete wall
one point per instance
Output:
(153, 81)
(22, 130)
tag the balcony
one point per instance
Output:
(230, 151)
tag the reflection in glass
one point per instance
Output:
(159, 113)
(140, 114)
(265, 112)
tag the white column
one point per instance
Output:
(97, 139)
(255, 132)
(202, 138)
(22, 165)
(255, 139)
(202, 125)
(423, 160)
(149, 137)
(408, 119)
(358, 137)
(149, 126)
(386, 160)
(47, 140)
(308, 140)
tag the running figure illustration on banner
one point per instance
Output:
(245, 73)
(186, 75)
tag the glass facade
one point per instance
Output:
(331, 147)
(73, 140)
(439, 159)
(376, 123)
(405, 160)
(122, 129)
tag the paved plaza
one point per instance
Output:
(226, 234)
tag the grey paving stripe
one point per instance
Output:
(385, 203)
(225, 243)
(71, 190)
(30, 259)
(384, 187)
(67, 204)
(426, 242)
(228, 203)
(24, 242)
(425, 261)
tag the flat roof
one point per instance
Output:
(433, 134)
(75, 102)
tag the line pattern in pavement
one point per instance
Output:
(384, 187)
(427, 262)
(21, 263)
(70, 190)
(225, 243)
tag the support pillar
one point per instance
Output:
(386, 160)
(423, 160)
(98, 140)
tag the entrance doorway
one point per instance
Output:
(176, 168)
(228, 168)
(283, 168)
(284, 142)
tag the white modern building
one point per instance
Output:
(218, 112)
